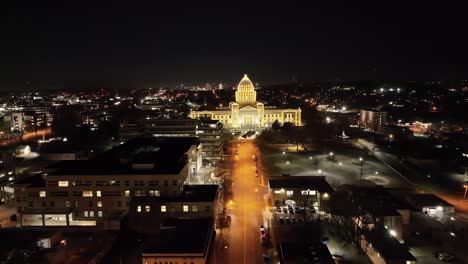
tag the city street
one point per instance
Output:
(240, 242)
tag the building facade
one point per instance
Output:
(92, 192)
(247, 113)
(372, 119)
(210, 132)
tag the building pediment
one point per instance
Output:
(247, 108)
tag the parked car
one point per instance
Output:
(444, 256)
(288, 221)
(285, 210)
(281, 220)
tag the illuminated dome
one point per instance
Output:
(245, 93)
(245, 85)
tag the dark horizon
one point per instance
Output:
(130, 46)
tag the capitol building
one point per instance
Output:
(247, 113)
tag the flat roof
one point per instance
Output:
(190, 236)
(307, 254)
(190, 193)
(387, 246)
(426, 199)
(159, 155)
(32, 181)
(318, 183)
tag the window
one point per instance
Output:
(52, 203)
(127, 183)
(90, 203)
(147, 208)
(127, 193)
(174, 183)
(139, 193)
(99, 213)
(42, 194)
(119, 203)
(44, 204)
(166, 183)
(98, 193)
(67, 203)
(185, 208)
(163, 208)
(194, 208)
(86, 213)
(289, 193)
(91, 213)
(154, 193)
(76, 203)
(99, 204)
(139, 208)
(87, 193)
(207, 208)
(312, 192)
(277, 192)
(304, 192)
(63, 184)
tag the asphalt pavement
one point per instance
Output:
(240, 242)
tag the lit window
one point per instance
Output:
(127, 193)
(157, 193)
(98, 193)
(91, 213)
(304, 192)
(147, 208)
(185, 208)
(99, 213)
(99, 204)
(289, 193)
(67, 203)
(312, 192)
(139, 208)
(194, 208)
(87, 193)
(163, 208)
(63, 184)
(277, 192)
(42, 194)
(86, 214)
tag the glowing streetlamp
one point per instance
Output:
(331, 154)
(284, 153)
(320, 172)
(466, 189)
(376, 173)
(287, 162)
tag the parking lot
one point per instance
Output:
(294, 214)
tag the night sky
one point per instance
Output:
(132, 45)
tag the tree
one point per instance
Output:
(276, 125)
(351, 216)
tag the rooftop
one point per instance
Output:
(426, 199)
(388, 247)
(300, 182)
(301, 253)
(190, 193)
(190, 236)
(149, 155)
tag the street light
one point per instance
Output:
(287, 162)
(361, 163)
(466, 189)
(331, 154)
(320, 172)
(310, 157)
(376, 173)
(341, 164)
(284, 153)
